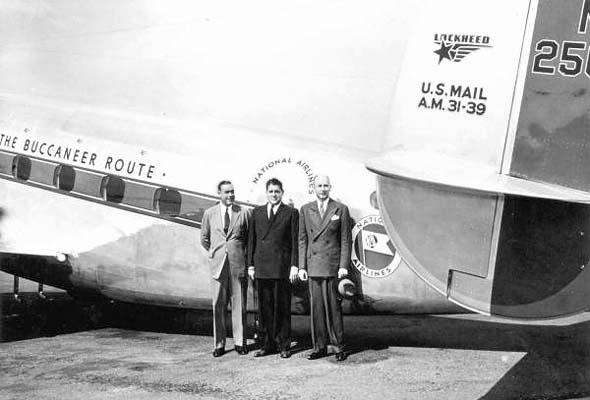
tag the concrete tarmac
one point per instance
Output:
(389, 357)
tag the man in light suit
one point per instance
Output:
(224, 234)
(324, 256)
(272, 257)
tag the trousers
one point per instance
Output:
(274, 305)
(326, 314)
(229, 288)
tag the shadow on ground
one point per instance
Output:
(556, 364)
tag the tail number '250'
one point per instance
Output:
(571, 61)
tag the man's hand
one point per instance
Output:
(342, 272)
(302, 274)
(293, 274)
(251, 272)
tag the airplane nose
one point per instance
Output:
(494, 253)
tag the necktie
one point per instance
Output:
(226, 220)
(272, 213)
(322, 209)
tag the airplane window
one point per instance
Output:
(88, 183)
(113, 189)
(167, 201)
(65, 177)
(21, 168)
(193, 207)
(42, 172)
(139, 195)
(6, 161)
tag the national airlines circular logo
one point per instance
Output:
(373, 253)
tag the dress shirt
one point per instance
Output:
(275, 208)
(325, 203)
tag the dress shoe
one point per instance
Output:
(340, 356)
(285, 353)
(262, 353)
(317, 354)
(241, 350)
(218, 352)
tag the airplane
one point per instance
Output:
(116, 127)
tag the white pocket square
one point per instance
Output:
(335, 218)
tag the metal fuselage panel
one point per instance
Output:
(108, 249)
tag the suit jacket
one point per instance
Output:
(272, 245)
(324, 243)
(221, 246)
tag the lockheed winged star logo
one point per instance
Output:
(456, 47)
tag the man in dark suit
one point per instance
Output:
(324, 256)
(224, 234)
(272, 256)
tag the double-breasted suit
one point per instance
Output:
(272, 251)
(324, 248)
(227, 262)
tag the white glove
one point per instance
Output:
(251, 272)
